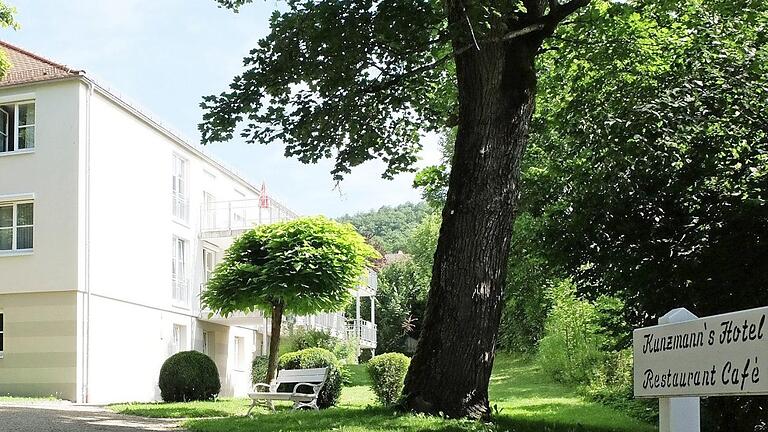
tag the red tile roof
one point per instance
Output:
(27, 67)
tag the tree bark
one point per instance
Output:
(274, 342)
(450, 371)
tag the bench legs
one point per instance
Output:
(299, 405)
(261, 402)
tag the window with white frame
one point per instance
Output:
(179, 272)
(209, 263)
(180, 203)
(179, 338)
(209, 211)
(239, 352)
(208, 343)
(16, 226)
(2, 334)
(17, 127)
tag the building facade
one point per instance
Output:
(110, 225)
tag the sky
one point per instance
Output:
(165, 55)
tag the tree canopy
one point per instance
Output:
(308, 265)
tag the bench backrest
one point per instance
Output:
(316, 375)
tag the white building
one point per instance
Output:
(110, 224)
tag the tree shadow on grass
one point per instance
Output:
(378, 419)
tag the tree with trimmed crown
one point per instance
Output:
(356, 80)
(303, 266)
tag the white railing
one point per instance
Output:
(181, 292)
(332, 323)
(242, 214)
(364, 331)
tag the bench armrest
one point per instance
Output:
(315, 388)
(272, 387)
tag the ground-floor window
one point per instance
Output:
(208, 343)
(179, 338)
(2, 334)
(239, 352)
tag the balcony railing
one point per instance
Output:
(364, 331)
(240, 215)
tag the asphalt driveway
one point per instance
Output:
(72, 418)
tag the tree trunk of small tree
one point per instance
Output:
(274, 342)
(450, 371)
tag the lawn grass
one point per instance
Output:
(29, 400)
(525, 399)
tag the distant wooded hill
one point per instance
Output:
(389, 228)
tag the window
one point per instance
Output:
(239, 353)
(17, 127)
(180, 205)
(179, 338)
(209, 211)
(209, 263)
(179, 272)
(2, 334)
(16, 226)
(208, 346)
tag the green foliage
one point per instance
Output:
(400, 305)
(301, 339)
(7, 20)
(611, 385)
(307, 265)
(387, 372)
(311, 84)
(259, 367)
(570, 349)
(316, 358)
(389, 227)
(189, 376)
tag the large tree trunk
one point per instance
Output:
(274, 342)
(450, 371)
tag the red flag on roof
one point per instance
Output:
(263, 197)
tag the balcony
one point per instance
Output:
(232, 218)
(332, 323)
(362, 330)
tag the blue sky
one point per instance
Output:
(165, 55)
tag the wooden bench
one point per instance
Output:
(306, 388)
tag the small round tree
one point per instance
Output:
(304, 266)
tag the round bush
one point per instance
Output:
(189, 376)
(317, 358)
(387, 373)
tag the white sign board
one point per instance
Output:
(719, 355)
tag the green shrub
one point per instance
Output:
(317, 358)
(570, 349)
(189, 376)
(611, 385)
(259, 367)
(387, 372)
(301, 339)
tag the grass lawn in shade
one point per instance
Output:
(526, 400)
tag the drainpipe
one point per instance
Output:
(87, 321)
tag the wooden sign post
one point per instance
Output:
(685, 357)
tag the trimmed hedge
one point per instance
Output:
(189, 376)
(387, 373)
(259, 367)
(317, 358)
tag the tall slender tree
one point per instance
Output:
(360, 79)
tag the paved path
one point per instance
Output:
(72, 418)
